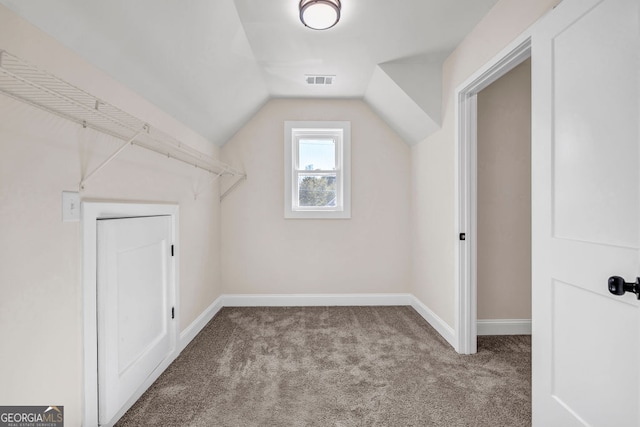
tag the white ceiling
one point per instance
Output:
(213, 63)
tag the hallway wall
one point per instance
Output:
(504, 197)
(433, 161)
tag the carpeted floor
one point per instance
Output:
(337, 366)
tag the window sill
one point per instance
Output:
(317, 214)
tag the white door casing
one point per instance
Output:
(91, 212)
(586, 214)
(134, 306)
(466, 185)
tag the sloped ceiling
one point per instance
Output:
(213, 64)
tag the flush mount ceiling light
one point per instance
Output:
(320, 14)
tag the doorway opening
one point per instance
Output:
(467, 197)
(503, 185)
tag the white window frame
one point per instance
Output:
(341, 132)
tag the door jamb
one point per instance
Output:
(466, 185)
(91, 211)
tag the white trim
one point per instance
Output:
(91, 211)
(466, 181)
(504, 327)
(442, 327)
(466, 223)
(328, 300)
(313, 300)
(199, 323)
(343, 170)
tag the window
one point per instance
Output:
(317, 176)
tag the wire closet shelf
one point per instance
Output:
(29, 84)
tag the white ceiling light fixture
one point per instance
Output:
(320, 14)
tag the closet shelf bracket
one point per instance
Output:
(111, 157)
(233, 186)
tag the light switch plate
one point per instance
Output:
(70, 206)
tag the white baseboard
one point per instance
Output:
(311, 300)
(315, 300)
(435, 321)
(504, 327)
(201, 321)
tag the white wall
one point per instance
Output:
(264, 253)
(504, 196)
(40, 268)
(433, 160)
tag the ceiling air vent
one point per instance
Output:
(319, 80)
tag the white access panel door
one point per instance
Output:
(586, 190)
(134, 306)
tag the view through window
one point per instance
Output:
(317, 172)
(317, 178)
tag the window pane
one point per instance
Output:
(318, 191)
(317, 154)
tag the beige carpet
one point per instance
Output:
(337, 366)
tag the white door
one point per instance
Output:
(585, 193)
(134, 306)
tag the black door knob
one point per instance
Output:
(618, 286)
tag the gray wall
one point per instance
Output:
(504, 197)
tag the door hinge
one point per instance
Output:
(463, 236)
(171, 250)
(173, 312)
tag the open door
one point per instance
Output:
(586, 214)
(134, 307)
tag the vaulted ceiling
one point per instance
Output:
(213, 63)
